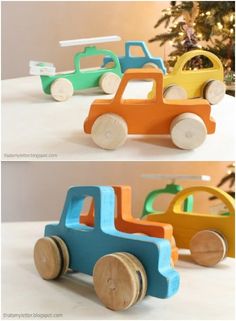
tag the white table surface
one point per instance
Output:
(33, 123)
(205, 293)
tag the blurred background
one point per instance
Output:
(36, 191)
(32, 30)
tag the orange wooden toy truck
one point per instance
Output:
(110, 120)
(125, 222)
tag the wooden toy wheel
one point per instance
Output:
(188, 131)
(151, 65)
(175, 92)
(208, 248)
(109, 131)
(51, 257)
(61, 89)
(214, 91)
(109, 82)
(120, 280)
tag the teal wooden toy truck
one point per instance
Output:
(125, 267)
(63, 85)
(145, 60)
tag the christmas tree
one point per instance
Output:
(205, 24)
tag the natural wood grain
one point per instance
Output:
(109, 82)
(207, 248)
(174, 92)
(61, 89)
(188, 131)
(119, 281)
(109, 131)
(214, 91)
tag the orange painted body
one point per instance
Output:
(125, 222)
(148, 116)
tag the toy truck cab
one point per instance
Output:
(145, 60)
(210, 237)
(109, 121)
(124, 267)
(183, 83)
(126, 222)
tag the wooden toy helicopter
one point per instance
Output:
(63, 85)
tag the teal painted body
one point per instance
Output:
(129, 61)
(83, 79)
(169, 189)
(86, 244)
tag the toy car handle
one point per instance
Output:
(93, 51)
(140, 44)
(104, 201)
(169, 189)
(193, 53)
(176, 204)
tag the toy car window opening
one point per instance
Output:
(91, 63)
(135, 90)
(198, 62)
(136, 51)
(205, 204)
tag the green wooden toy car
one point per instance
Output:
(63, 85)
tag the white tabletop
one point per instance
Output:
(35, 127)
(205, 293)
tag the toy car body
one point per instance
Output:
(125, 222)
(190, 228)
(86, 246)
(129, 61)
(206, 82)
(109, 121)
(83, 78)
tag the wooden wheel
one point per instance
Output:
(208, 248)
(214, 91)
(175, 92)
(61, 89)
(120, 280)
(188, 131)
(51, 257)
(109, 131)
(149, 65)
(109, 82)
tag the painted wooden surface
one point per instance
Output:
(88, 244)
(129, 61)
(126, 222)
(186, 225)
(195, 82)
(83, 79)
(148, 116)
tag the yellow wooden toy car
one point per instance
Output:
(210, 237)
(207, 83)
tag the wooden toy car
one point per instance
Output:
(187, 121)
(168, 189)
(125, 267)
(129, 61)
(63, 85)
(210, 237)
(207, 83)
(125, 222)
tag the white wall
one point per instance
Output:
(35, 191)
(31, 30)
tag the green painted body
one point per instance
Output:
(169, 189)
(83, 79)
